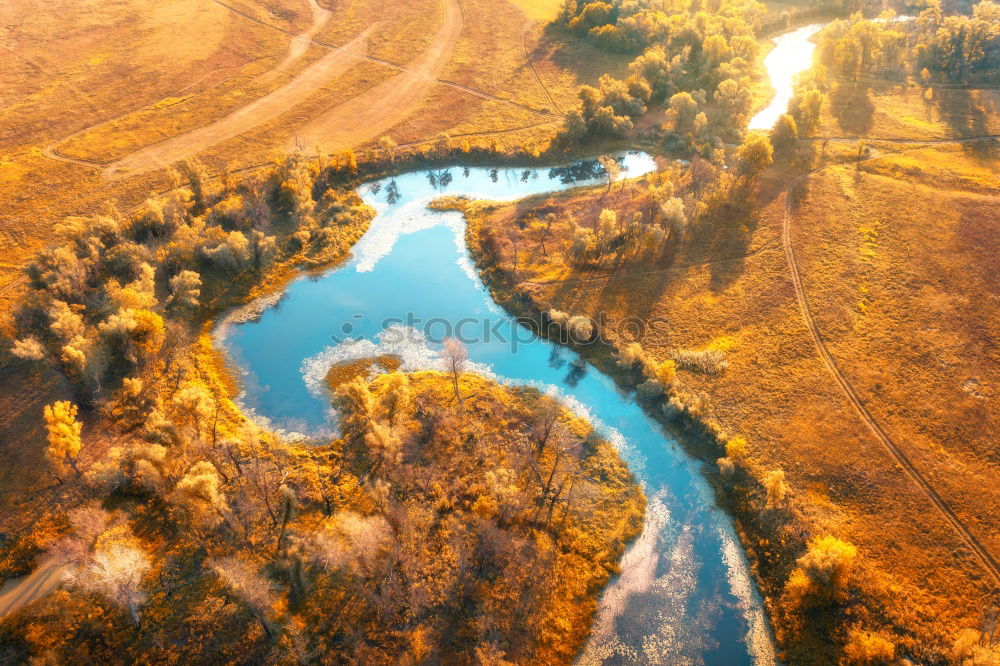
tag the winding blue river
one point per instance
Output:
(685, 594)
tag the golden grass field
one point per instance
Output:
(136, 74)
(898, 257)
(898, 254)
(92, 82)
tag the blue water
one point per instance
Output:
(685, 594)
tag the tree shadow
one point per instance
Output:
(577, 55)
(966, 114)
(722, 241)
(852, 105)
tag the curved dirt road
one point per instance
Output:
(256, 113)
(375, 111)
(986, 560)
(298, 44)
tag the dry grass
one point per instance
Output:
(899, 260)
(887, 110)
(137, 72)
(542, 11)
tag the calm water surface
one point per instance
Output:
(792, 54)
(685, 594)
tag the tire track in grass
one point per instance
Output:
(983, 556)
(534, 72)
(256, 113)
(375, 111)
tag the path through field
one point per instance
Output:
(553, 106)
(256, 113)
(986, 560)
(375, 111)
(19, 592)
(298, 44)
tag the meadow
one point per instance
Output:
(830, 290)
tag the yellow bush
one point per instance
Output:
(865, 647)
(823, 572)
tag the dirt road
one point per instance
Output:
(985, 558)
(375, 111)
(299, 89)
(553, 106)
(20, 592)
(298, 44)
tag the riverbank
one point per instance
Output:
(728, 295)
(288, 386)
(739, 493)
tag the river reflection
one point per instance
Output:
(684, 594)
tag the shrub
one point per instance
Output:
(581, 329)
(28, 348)
(708, 361)
(726, 467)
(776, 487)
(736, 448)
(865, 647)
(558, 317)
(631, 354)
(822, 573)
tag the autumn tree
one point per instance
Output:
(868, 647)
(684, 108)
(197, 179)
(388, 148)
(195, 404)
(200, 491)
(455, 355)
(823, 572)
(734, 99)
(63, 436)
(784, 135)
(354, 400)
(28, 348)
(115, 572)
(384, 445)
(185, 290)
(348, 540)
(674, 217)
(396, 396)
(607, 221)
(776, 488)
(255, 590)
(87, 523)
(806, 109)
(612, 170)
(755, 154)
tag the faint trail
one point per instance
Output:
(873, 139)
(984, 557)
(425, 70)
(312, 79)
(534, 72)
(393, 65)
(375, 111)
(296, 48)
(298, 44)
